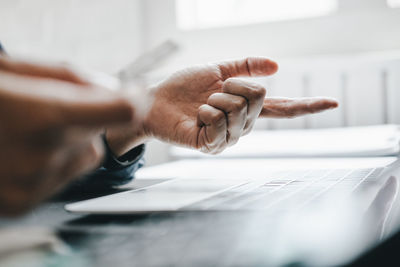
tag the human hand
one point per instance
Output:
(50, 125)
(209, 109)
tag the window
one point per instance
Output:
(198, 14)
(393, 3)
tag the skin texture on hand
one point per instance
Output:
(51, 121)
(208, 108)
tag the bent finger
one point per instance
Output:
(235, 108)
(252, 92)
(293, 107)
(213, 130)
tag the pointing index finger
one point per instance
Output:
(250, 67)
(279, 107)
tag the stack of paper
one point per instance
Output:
(380, 140)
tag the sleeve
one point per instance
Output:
(114, 172)
(117, 171)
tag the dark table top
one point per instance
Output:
(157, 239)
(186, 238)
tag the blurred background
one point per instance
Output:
(347, 49)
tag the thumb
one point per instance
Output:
(250, 67)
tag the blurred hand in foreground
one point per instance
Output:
(50, 125)
(208, 108)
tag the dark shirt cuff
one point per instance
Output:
(117, 171)
(106, 178)
(2, 51)
(113, 163)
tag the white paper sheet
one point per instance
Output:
(252, 168)
(380, 140)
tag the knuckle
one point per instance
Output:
(214, 97)
(231, 85)
(217, 117)
(203, 109)
(229, 82)
(213, 147)
(239, 104)
(256, 92)
(208, 149)
(259, 91)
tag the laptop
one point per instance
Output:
(317, 212)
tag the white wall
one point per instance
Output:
(101, 34)
(359, 26)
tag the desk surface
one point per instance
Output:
(170, 239)
(159, 239)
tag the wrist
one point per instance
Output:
(123, 139)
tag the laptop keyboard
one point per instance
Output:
(290, 189)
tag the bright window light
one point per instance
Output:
(393, 3)
(200, 14)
